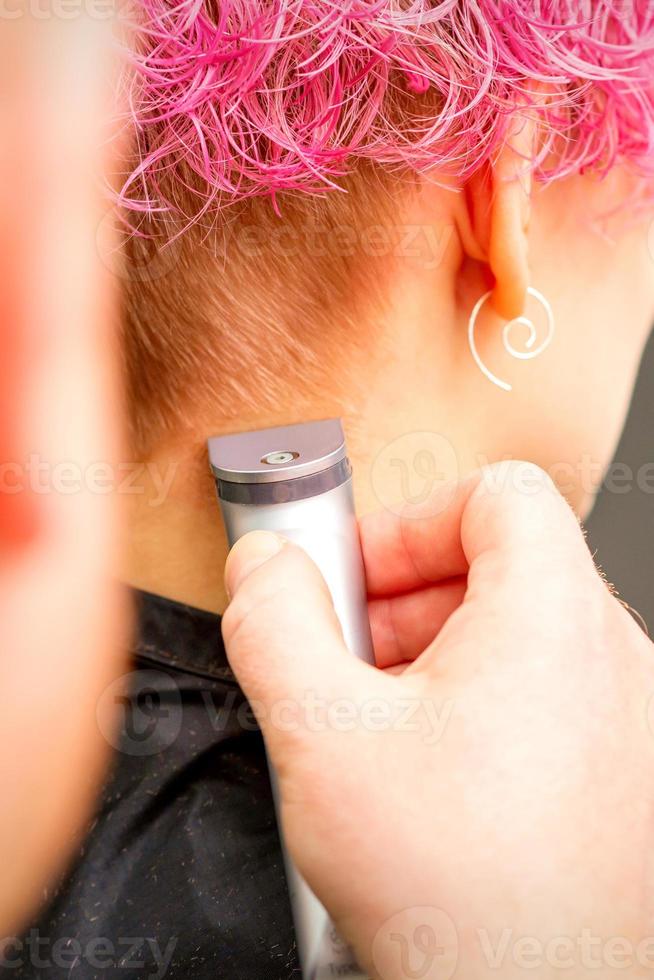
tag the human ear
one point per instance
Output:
(494, 227)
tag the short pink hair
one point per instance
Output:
(242, 98)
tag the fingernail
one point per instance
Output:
(249, 553)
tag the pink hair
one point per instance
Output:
(237, 98)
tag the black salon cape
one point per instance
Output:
(181, 875)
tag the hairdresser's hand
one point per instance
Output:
(520, 805)
(61, 616)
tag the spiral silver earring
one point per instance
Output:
(525, 321)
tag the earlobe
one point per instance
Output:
(495, 227)
(508, 253)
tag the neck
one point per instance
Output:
(404, 430)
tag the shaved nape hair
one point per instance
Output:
(281, 115)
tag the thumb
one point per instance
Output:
(283, 638)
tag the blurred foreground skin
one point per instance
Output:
(62, 617)
(517, 809)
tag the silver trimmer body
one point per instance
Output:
(296, 480)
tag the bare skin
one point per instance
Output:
(413, 386)
(63, 617)
(517, 834)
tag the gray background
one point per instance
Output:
(621, 527)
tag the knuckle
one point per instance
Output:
(519, 476)
(525, 489)
(517, 509)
